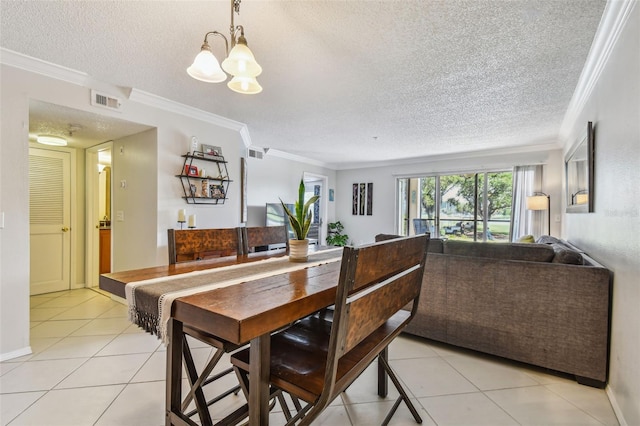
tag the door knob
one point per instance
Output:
(65, 229)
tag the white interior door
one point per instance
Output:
(50, 219)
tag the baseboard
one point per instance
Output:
(111, 296)
(616, 408)
(15, 354)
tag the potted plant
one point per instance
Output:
(336, 237)
(300, 221)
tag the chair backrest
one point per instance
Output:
(376, 282)
(259, 236)
(197, 244)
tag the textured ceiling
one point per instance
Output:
(344, 81)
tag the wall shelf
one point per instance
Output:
(201, 186)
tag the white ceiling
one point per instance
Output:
(344, 81)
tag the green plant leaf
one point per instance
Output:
(301, 220)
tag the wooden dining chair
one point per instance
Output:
(315, 359)
(261, 236)
(198, 244)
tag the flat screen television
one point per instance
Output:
(275, 216)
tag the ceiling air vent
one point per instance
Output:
(255, 153)
(105, 101)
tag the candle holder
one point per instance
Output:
(182, 217)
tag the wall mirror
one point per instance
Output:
(579, 173)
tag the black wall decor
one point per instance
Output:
(362, 199)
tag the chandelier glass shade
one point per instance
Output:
(239, 63)
(206, 67)
(245, 84)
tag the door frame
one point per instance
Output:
(92, 251)
(324, 205)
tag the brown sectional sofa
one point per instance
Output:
(542, 304)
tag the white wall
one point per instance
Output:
(134, 162)
(273, 178)
(14, 237)
(362, 229)
(610, 233)
(148, 214)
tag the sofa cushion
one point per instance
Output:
(508, 251)
(435, 245)
(566, 255)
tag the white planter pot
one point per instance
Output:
(298, 250)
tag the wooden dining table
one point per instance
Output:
(245, 312)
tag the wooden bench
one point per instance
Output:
(317, 358)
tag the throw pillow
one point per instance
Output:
(547, 239)
(526, 239)
(564, 255)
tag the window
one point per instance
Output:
(466, 206)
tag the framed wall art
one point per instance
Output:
(190, 170)
(362, 199)
(210, 151)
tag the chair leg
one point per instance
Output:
(275, 393)
(403, 395)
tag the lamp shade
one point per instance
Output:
(245, 84)
(537, 202)
(52, 140)
(582, 198)
(241, 61)
(206, 67)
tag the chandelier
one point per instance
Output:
(239, 63)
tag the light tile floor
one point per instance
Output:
(90, 366)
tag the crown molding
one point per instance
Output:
(58, 72)
(38, 66)
(615, 16)
(149, 99)
(491, 153)
(300, 159)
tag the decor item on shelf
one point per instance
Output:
(216, 191)
(240, 62)
(205, 189)
(541, 201)
(192, 221)
(214, 152)
(190, 170)
(300, 221)
(336, 237)
(182, 217)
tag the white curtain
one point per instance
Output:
(526, 181)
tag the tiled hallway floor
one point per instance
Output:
(90, 366)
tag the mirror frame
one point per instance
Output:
(585, 183)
